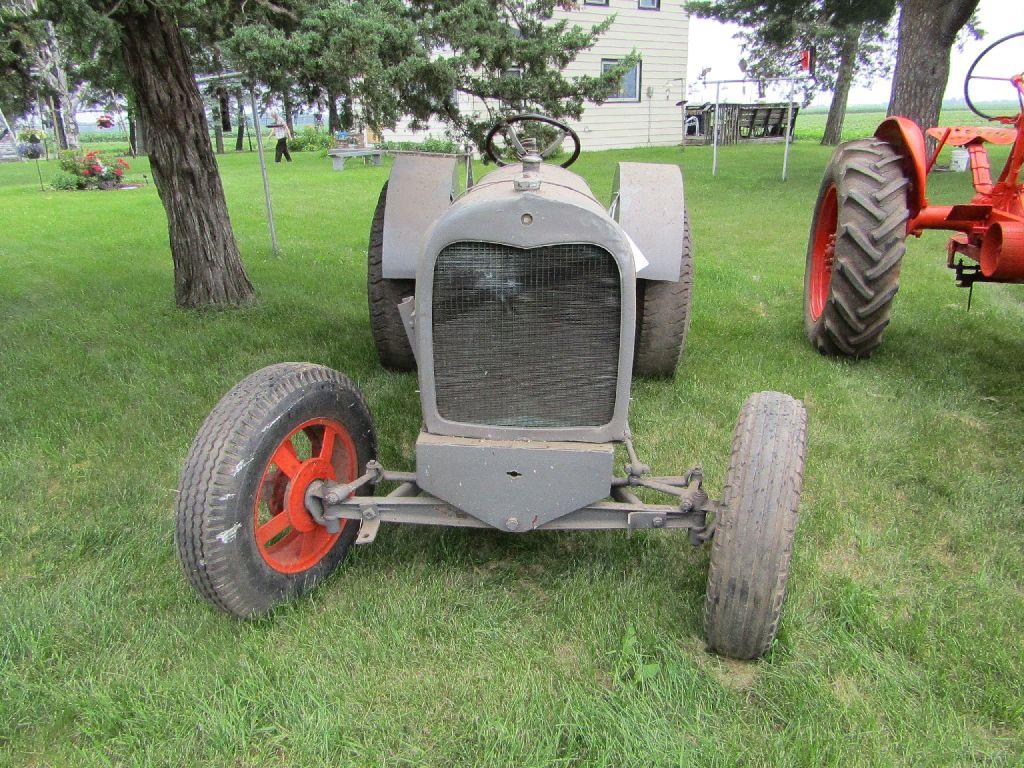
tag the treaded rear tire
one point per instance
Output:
(214, 510)
(870, 239)
(384, 296)
(753, 538)
(663, 317)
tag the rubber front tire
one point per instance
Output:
(230, 471)
(856, 245)
(384, 295)
(663, 317)
(753, 538)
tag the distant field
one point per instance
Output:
(810, 124)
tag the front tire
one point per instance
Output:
(244, 537)
(857, 240)
(384, 295)
(753, 538)
(663, 317)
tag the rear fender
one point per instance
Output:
(649, 204)
(904, 134)
(420, 189)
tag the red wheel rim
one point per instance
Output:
(287, 536)
(823, 253)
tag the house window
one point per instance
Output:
(649, 5)
(629, 89)
(596, 2)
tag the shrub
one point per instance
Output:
(310, 139)
(429, 144)
(67, 181)
(92, 169)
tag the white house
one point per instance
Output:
(644, 112)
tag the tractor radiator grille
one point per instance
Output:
(526, 338)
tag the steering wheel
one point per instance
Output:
(1016, 80)
(507, 128)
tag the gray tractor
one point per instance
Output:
(526, 307)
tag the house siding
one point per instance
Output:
(661, 39)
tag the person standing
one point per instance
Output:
(282, 134)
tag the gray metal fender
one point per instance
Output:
(649, 204)
(420, 189)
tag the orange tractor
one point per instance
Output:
(873, 196)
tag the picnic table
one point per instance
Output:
(340, 155)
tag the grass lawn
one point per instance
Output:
(901, 639)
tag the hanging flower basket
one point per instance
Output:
(31, 150)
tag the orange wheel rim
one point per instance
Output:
(823, 253)
(287, 536)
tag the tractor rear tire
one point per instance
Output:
(384, 295)
(663, 317)
(244, 538)
(856, 245)
(754, 527)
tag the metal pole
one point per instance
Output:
(789, 129)
(263, 169)
(714, 148)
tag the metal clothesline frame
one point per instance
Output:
(235, 79)
(789, 114)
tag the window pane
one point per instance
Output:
(650, 5)
(629, 89)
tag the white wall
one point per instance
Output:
(660, 37)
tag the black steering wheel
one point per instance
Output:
(506, 127)
(1016, 80)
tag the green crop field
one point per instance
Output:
(901, 641)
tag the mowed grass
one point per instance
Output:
(901, 641)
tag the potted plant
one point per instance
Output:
(30, 143)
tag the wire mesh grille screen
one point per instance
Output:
(526, 338)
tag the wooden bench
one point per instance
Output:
(339, 156)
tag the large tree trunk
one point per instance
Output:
(142, 133)
(841, 94)
(208, 271)
(927, 31)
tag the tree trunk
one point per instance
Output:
(132, 136)
(240, 136)
(348, 113)
(208, 271)
(333, 120)
(224, 105)
(218, 130)
(58, 125)
(841, 94)
(142, 133)
(287, 102)
(49, 61)
(927, 31)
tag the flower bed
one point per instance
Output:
(85, 170)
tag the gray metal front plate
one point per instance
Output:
(419, 190)
(649, 204)
(515, 485)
